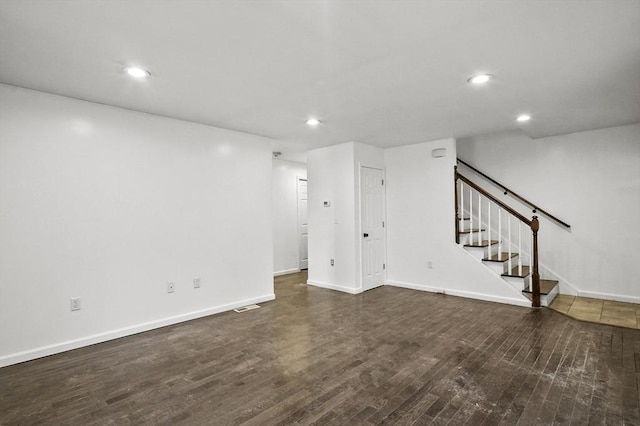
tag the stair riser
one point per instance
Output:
(477, 252)
(528, 283)
(546, 299)
(498, 267)
(466, 238)
(517, 283)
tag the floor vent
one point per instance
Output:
(247, 308)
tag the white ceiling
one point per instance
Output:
(385, 73)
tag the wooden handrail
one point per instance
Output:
(494, 199)
(508, 191)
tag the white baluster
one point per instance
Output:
(471, 216)
(520, 248)
(461, 223)
(499, 233)
(531, 260)
(509, 242)
(479, 219)
(489, 227)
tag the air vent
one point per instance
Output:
(246, 308)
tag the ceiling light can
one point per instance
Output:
(313, 122)
(480, 78)
(523, 118)
(137, 72)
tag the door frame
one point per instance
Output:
(359, 227)
(298, 179)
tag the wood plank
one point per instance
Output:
(316, 356)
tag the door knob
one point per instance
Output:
(365, 235)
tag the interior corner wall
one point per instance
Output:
(285, 214)
(331, 179)
(421, 228)
(109, 205)
(590, 180)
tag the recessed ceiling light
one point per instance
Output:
(524, 117)
(480, 78)
(137, 72)
(313, 122)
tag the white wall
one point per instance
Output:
(590, 180)
(331, 177)
(334, 231)
(420, 228)
(420, 211)
(109, 205)
(285, 214)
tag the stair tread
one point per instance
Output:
(483, 243)
(515, 273)
(546, 287)
(500, 257)
(468, 231)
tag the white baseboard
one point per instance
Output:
(567, 288)
(335, 287)
(468, 294)
(565, 285)
(43, 351)
(415, 286)
(608, 296)
(286, 272)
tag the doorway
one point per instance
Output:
(372, 217)
(303, 225)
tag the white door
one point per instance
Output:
(372, 227)
(303, 225)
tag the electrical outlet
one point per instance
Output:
(75, 304)
(171, 287)
(196, 282)
(331, 262)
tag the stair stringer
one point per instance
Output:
(480, 268)
(463, 276)
(563, 287)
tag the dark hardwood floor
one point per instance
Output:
(315, 356)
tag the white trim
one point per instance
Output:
(467, 294)
(513, 283)
(126, 331)
(286, 272)
(415, 286)
(336, 287)
(564, 284)
(382, 169)
(546, 299)
(299, 260)
(566, 288)
(609, 296)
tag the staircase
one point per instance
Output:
(501, 238)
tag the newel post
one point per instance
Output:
(535, 276)
(457, 216)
